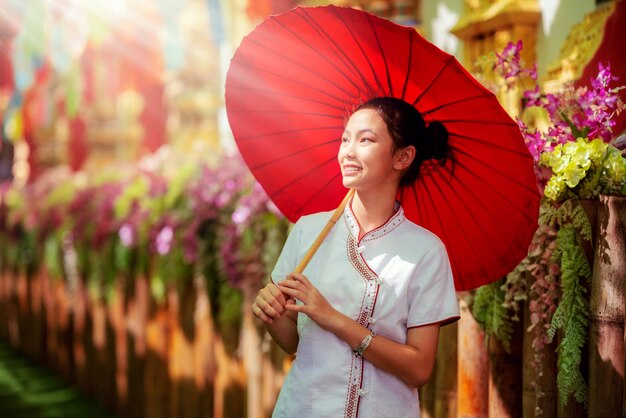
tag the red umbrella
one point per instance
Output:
(293, 83)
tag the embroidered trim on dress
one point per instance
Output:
(365, 312)
(392, 223)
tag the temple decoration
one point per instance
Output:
(403, 12)
(611, 52)
(489, 25)
(581, 44)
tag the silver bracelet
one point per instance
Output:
(364, 344)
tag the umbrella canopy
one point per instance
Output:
(297, 77)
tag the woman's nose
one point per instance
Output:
(349, 149)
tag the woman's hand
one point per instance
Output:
(315, 305)
(269, 305)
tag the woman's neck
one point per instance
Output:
(372, 209)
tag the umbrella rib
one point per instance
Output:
(282, 189)
(300, 65)
(432, 82)
(339, 53)
(460, 227)
(482, 162)
(427, 198)
(490, 144)
(409, 64)
(321, 144)
(309, 85)
(487, 209)
(374, 73)
(482, 233)
(467, 99)
(498, 192)
(325, 115)
(382, 53)
(293, 96)
(299, 211)
(488, 122)
(445, 237)
(256, 136)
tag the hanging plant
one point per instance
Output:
(574, 159)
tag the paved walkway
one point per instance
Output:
(30, 391)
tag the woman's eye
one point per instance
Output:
(366, 140)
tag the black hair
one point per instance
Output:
(406, 127)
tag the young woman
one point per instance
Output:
(364, 317)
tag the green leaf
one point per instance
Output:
(489, 310)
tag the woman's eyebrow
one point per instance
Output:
(360, 132)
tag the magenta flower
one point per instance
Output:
(509, 60)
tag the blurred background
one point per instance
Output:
(133, 238)
(87, 84)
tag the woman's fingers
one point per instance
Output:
(300, 278)
(269, 303)
(277, 296)
(292, 306)
(273, 297)
(258, 312)
(268, 309)
(293, 291)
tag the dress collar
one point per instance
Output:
(392, 223)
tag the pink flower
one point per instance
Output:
(164, 240)
(509, 60)
(241, 215)
(533, 97)
(127, 235)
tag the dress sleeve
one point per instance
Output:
(289, 256)
(432, 297)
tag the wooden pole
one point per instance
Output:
(446, 373)
(505, 377)
(606, 348)
(473, 367)
(539, 383)
(320, 238)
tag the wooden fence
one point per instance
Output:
(151, 360)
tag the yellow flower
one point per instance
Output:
(554, 187)
(572, 174)
(558, 162)
(616, 165)
(569, 148)
(596, 149)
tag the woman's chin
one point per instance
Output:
(348, 183)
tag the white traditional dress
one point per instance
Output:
(395, 277)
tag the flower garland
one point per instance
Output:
(574, 160)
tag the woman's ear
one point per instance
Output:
(403, 157)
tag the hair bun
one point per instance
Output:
(437, 141)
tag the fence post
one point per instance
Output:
(446, 373)
(505, 377)
(473, 367)
(540, 392)
(606, 327)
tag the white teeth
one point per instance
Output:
(351, 169)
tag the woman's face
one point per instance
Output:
(366, 156)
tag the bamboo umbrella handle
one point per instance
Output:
(320, 238)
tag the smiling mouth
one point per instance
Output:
(351, 169)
